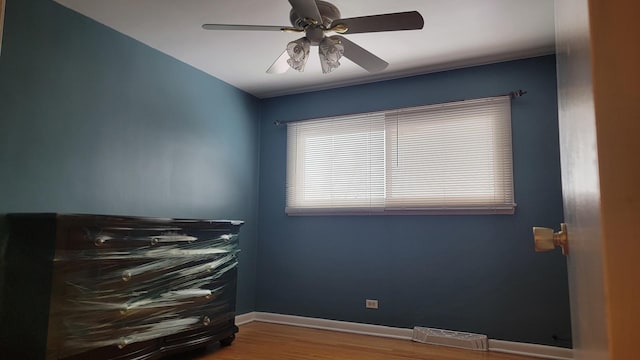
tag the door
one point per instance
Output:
(598, 60)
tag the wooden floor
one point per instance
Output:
(262, 341)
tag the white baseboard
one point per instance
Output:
(245, 318)
(334, 325)
(541, 351)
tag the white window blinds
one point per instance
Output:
(453, 157)
(336, 164)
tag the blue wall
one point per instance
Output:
(466, 273)
(94, 122)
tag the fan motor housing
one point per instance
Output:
(328, 11)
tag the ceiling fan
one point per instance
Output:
(315, 18)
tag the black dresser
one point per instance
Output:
(111, 287)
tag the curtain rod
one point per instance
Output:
(512, 94)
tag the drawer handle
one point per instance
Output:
(101, 240)
(206, 321)
(126, 275)
(172, 237)
(124, 341)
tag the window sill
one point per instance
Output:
(407, 212)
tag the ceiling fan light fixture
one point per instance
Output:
(316, 18)
(330, 51)
(298, 51)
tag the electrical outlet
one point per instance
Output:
(371, 304)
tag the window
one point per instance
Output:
(445, 158)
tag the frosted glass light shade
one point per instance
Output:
(298, 51)
(330, 51)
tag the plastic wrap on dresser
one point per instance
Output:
(118, 287)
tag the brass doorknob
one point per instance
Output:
(546, 239)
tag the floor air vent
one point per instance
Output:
(450, 338)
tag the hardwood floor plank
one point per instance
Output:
(263, 341)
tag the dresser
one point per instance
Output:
(115, 287)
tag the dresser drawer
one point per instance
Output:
(139, 351)
(91, 237)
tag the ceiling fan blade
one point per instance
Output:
(362, 57)
(244, 27)
(307, 9)
(280, 66)
(411, 20)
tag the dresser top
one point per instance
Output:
(123, 220)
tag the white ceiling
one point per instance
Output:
(457, 33)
